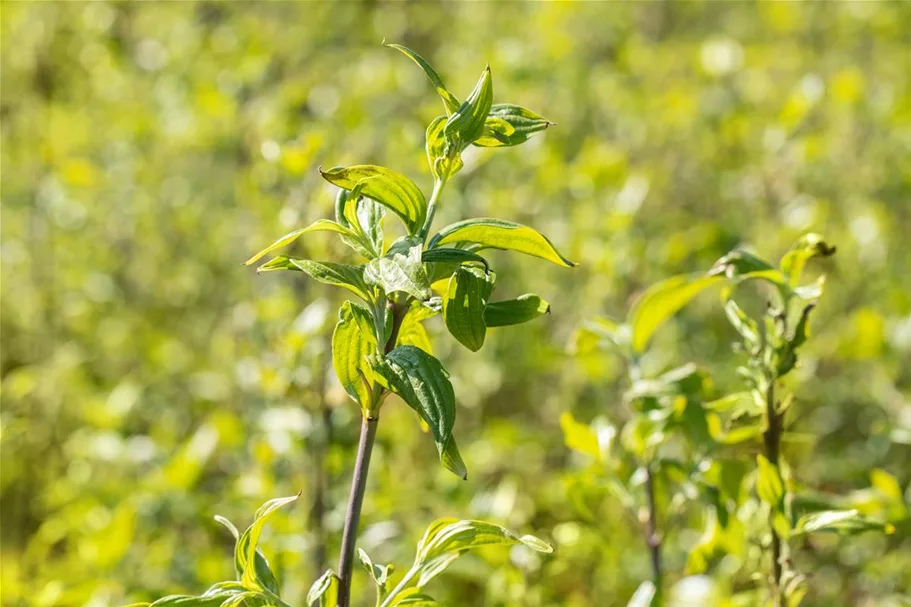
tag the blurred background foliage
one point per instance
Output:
(149, 381)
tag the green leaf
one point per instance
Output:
(464, 304)
(353, 339)
(660, 302)
(338, 274)
(845, 522)
(417, 600)
(449, 100)
(443, 155)
(400, 269)
(805, 249)
(458, 256)
(323, 225)
(487, 232)
(392, 190)
(579, 437)
(412, 332)
(522, 124)
(743, 324)
(378, 573)
(422, 382)
(324, 591)
(253, 577)
(769, 484)
(447, 539)
(467, 123)
(515, 311)
(598, 333)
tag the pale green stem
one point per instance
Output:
(400, 588)
(438, 186)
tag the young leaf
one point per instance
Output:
(450, 102)
(805, 249)
(446, 255)
(324, 591)
(400, 270)
(378, 573)
(252, 576)
(417, 600)
(322, 225)
(353, 339)
(412, 332)
(644, 595)
(464, 304)
(846, 522)
(338, 274)
(422, 382)
(515, 311)
(392, 190)
(447, 539)
(486, 232)
(743, 324)
(444, 156)
(467, 123)
(660, 302)
(522, 122)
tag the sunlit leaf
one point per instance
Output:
(400, 269)
(845, 522)
(522, 309)
(353, 339)
(523, 123)
(643, 596)
(450, 102)
(378, 573)
(661, 301)
(323, 225)
(392, 190)
(252, 576)
(467, 123)
(487, 232)
(464, 304)
(443, 155)
(579, 437)
(324, 591)
(769, 484)
(338, 274)
(412, 331)
(805, 249)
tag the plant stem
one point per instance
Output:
(653, 539)
(772, 442)
(352, 518)
(400, 587)
(432, 207)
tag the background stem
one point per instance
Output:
(352, 518)
(772, 442)
(653, 539)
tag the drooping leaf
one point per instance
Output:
(809, 246)
(393, 190)
(464, 304)
(252, 576)
(353, 339)
(579, 437)
(422, 382)
(661, 301)
(846, 522)
(443, 155)
(516, 311)
(400, 269)
(447, 539)
(322, 225)
(487, 232)
(339, 274)
(467, 123)
(324, 591)
(450, 102)
(523, 123)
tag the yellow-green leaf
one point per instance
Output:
(579, 437)
(450, 102)
(487, 232)
(353, 339)
(464, 304)
(661, 301)
(389, 188)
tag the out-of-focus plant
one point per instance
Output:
(758, 414)
(380, 346)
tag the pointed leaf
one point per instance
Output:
(378, 573)
(422, 382)
(846, 522)
(447, 539)
(392, 190)
(467, 123)
(661, 301)
(522, 122)
(447, 255)
(464, 304)
(515, 311)
(805, 249)
(353, 339)
(417, 600)
(450, 102)
(324, 591)
(253, 576)
(487, 232)
(769, 484)
(323, 225)
(338, 274)
(412, 332)
(644, 595)
(443, 155)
